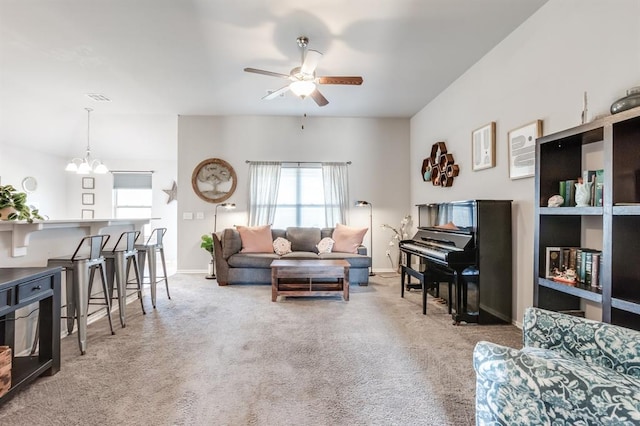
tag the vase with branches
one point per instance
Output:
(399, 233)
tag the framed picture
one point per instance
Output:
(553, 261)
(87, 214)
(483, 147)
(88, 183)
(88, 199)
(522, 150)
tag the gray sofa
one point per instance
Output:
(233, 267)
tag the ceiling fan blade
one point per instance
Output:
(340, 80)
(276, 93)
(319, 98)
(311, 61)
(271, 73)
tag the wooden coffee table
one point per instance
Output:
(295, 277)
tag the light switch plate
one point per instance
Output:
(187, 216)
(199, 215)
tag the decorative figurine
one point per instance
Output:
(583, 193)
(555, 201)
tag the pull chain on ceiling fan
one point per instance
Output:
(303, 79)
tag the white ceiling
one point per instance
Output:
(186, 57)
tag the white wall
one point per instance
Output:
(18, 162)
(378, 149)
(120, 141)
(540, 71)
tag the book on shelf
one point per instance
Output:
(589, 177)
(570, 199)
(595, 269)
(599, 188)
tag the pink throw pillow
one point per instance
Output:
(256, 239)
(347, 239)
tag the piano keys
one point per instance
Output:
(468, 245)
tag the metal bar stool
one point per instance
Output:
(80, 270)
(119, 259)
(150, 249)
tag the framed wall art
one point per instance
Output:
(88, 183)
(483, 147)
(88, 199)
(87, 214)
(214, 180)
(522, 150)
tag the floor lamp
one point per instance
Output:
(226, 206)
(362, 204)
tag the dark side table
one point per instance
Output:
(20, 287)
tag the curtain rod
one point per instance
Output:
(299, 162)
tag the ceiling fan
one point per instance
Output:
(303, 78)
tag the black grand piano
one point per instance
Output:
(467, 245)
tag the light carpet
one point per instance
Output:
(229, 356)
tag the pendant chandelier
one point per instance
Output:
(86, 165)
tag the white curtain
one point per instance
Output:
(264, 180)
(336, 192)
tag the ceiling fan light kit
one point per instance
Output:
(303, 80)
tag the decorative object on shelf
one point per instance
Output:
(399, 234)
(5, 369)
(632, 100)
(585, 111)
(29, 184)
(483, 147)
(363, 204)
(172, 193)
(439, 167)
(206, 242)
(86, 165)
(555, 201)
(583, 193)
(214, 180)
(88, 183)
(13, 205)
(522, 150)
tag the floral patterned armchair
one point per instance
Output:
(571, 371)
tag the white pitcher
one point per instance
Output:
(583, 194)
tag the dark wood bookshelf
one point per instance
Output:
(559, 156)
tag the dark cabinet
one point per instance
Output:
(613, 145)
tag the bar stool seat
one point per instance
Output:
(119, 260)
(80, 268)
(150, 249)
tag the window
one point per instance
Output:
(298, 194)
(132, 196)
(300, 197)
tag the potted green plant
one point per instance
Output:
(206, 242)
(13, 205)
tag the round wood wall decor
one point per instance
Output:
(214, 180)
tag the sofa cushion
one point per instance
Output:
(300, 255)
(304, 238)
(281, 246)
(598, 343)
(256, 239)
(325, 245)
(347, 239)
(572, 390)
(231, 242)
(355, 260)
(252, 260)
